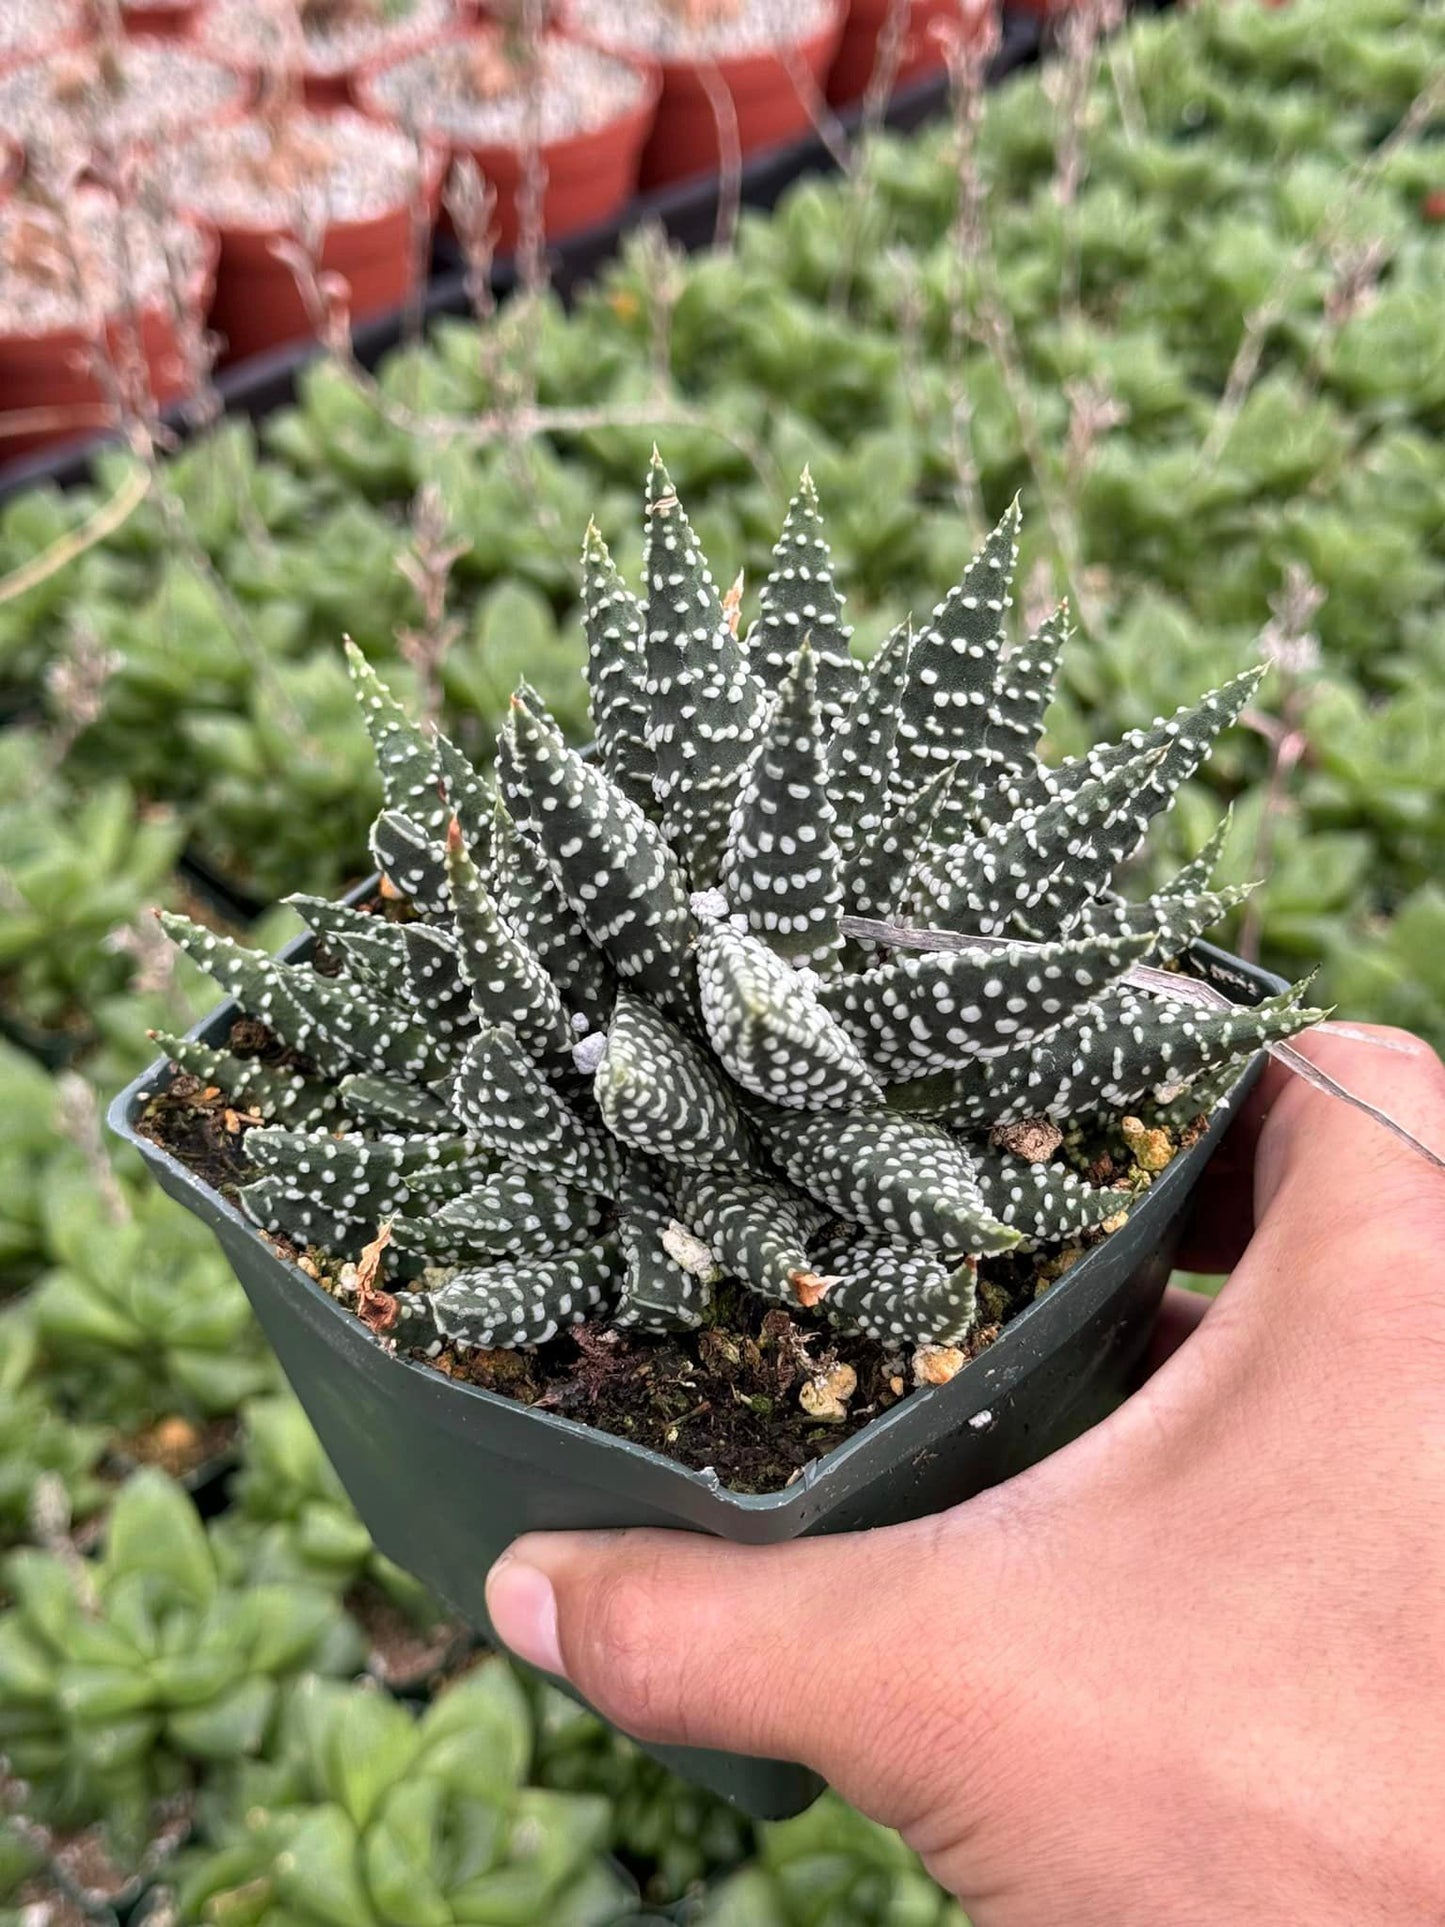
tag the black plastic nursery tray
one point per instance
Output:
(445, 1474)
(688, 211)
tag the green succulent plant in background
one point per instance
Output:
(829, 1868)
(368, 1816)
(139, 1318)
(624, 1043)
(290, 1522)
(120, 1680)
(680, 1834)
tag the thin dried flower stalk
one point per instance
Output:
(1290, 645)
(75, 683)
(77, 1114)
(730, 153)
(427, 567)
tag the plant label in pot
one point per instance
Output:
(607, 1172)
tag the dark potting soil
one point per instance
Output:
(723, 1398)
(401, 1654)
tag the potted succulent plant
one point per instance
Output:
(325, 42)
(88, 286)
(921, 48)
(266, 185)
(592, 1171)
(479, 93)
(116, 98)
(762, 57)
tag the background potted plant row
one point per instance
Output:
(179, 730)
(228, 128)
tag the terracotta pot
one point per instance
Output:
(178, 21)
(52, 371)
(921, 55)
(257, 303)
(591, 175)
(769, 108)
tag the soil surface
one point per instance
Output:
(690, 29)
(448, 90)
(402, 1655)
(338, 165)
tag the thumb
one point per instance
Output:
(824, 1651)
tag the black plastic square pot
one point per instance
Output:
(446, 1475)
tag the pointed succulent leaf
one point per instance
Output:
(860, 755)
(800, 602)
(948, 703)
(507, 982)
(332, 1191)
(1048, 1203)
(898, 1175)
(523, 1301)
(757, 1229)
(1133, 1048)
(280, 1096)
(1178, 745)
(877, 878)
(530, 904)
(780, 869)
(411, 860)
(508, 1106)
(469, 798)
(611, 864)
(899, 1294)
(405, 754)
(617, 673)
(515, 1213)
(1031, 875)
(336, 1024)
(661, 1094)
(389, 1102)
(512, 787)
(657, 1292)
(937, 1009)
(438, 992)
(1197, 876)
(1023, 689)
(704, 705)
(1169, 923)
(769, 1030)
(369, 948)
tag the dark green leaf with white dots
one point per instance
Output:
(781, 867)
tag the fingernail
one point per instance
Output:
(523, 1609)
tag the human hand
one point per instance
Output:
(1189, 1669)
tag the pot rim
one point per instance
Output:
(642, 111)
(834, 1466)
(437, 161)
(198, 290)
(679, 68)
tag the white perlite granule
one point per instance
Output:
(27, 25)
(346, 168)
(69, 269)
(580, 89)
(263, 33)
(652, 27)
(65, 106)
